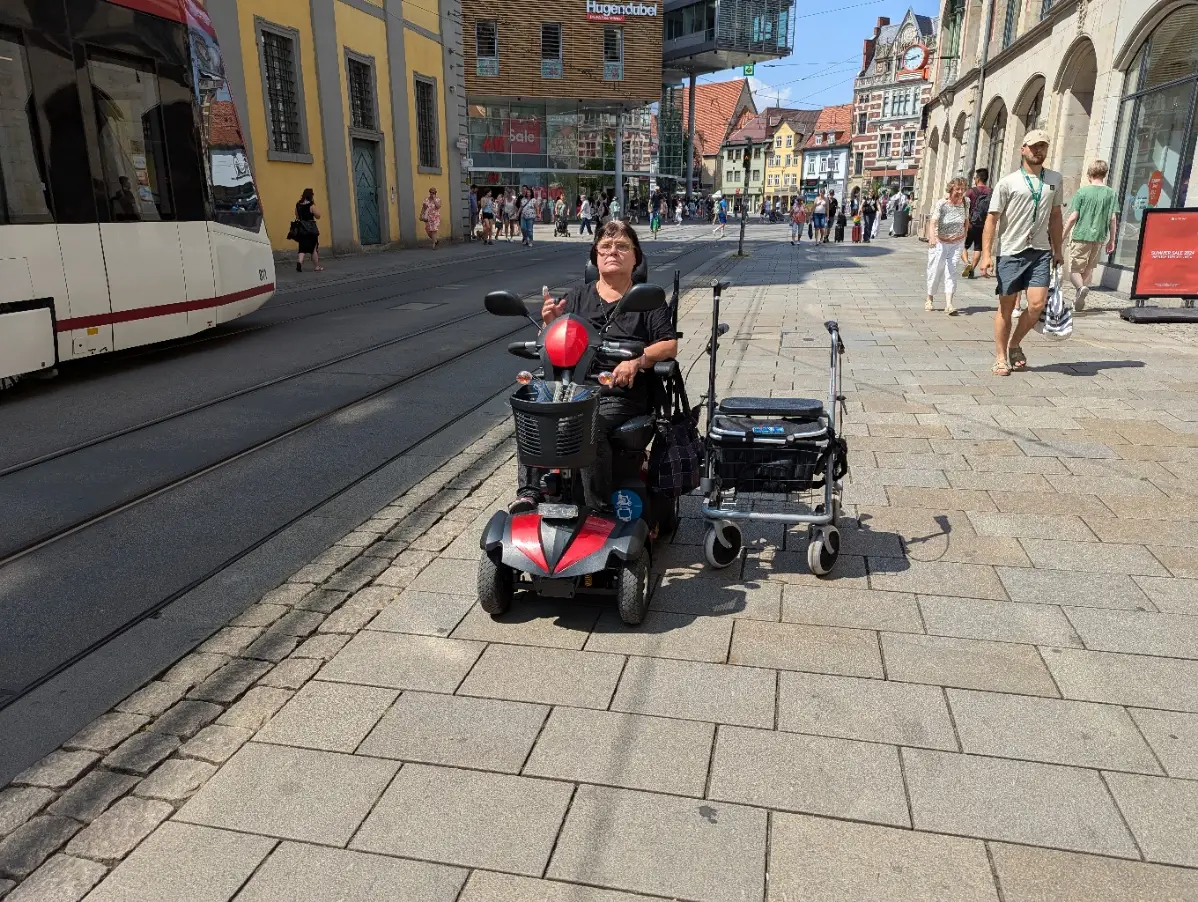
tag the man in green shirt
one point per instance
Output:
(1092, 221)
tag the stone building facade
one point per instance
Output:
(888, 100)
(1108, 79)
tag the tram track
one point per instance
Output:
(95, 638)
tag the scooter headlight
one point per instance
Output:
(606, 379)
(524, 377)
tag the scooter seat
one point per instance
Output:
(635, 434)
(791, 408)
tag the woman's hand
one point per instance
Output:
(551, 309)
(625, 373)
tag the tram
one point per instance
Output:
(128, 211)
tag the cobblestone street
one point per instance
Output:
(993, 698)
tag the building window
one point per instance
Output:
(613, 53)
(819, 139)
(486, 48)
(756, 175)
(998, 136)
(790, 140)
(551, 50)
(884, 147)
(862, 121)
(1011, 23)
(858, 163)
(282, 89)
(778, 141)
(426, 124)
(756, 153)
(361, 95)
(908, 144)
(1154, 138)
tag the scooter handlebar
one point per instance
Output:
(525, 349)
(621, 350)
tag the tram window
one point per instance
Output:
(132, 145)
(189, 187)
(22, 169)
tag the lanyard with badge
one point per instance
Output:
(1036, 194)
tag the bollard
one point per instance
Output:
(740, 247)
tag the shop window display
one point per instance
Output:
(1155, 143)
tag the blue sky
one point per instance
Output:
(827, 56)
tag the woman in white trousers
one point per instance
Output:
(946, 237)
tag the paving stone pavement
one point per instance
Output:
(994, 697)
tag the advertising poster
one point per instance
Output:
(1167, 258)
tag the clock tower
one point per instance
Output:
(889, 93)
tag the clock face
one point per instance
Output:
(914, 58)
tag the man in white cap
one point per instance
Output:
(1025, 218)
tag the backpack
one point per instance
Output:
(979, 207)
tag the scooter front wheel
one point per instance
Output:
(632, 590)
(496, 586)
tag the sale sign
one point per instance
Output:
(1155, 182)
(516, 136)
(1167, 258)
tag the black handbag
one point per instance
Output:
(293, 232)
(676, 460)
(810, 230)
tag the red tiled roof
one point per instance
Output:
(762, 126)
(715, 105)
(835, 119)
(223, 130)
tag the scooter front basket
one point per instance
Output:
(560, 435)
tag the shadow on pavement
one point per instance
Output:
(1088, 368)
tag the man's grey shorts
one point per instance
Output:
(1027, 269)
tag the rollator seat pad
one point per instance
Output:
(740, 430)
(798, 408)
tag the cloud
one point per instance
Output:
(766, 95)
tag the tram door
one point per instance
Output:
(367, 192)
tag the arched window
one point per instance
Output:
(998, 136)
(1156, 141)
(1031, 117)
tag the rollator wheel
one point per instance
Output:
(720, 555)
(823, 548)
(632, 590)
(496, 585)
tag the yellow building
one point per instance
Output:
(348, 97)
(784, 166)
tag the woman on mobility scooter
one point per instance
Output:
(617, 255)
(585, 516)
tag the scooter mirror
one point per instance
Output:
(643, 298)
(504, 303)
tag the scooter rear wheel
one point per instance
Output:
(632, 590)
(496, 585)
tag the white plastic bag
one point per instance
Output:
(1056, 322)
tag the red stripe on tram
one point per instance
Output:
(125, 316)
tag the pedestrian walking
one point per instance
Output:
(1089, 227)
(474, 211)
(978, 198)
(430, 215)
(869, 215)
(721, 218)
(615, 209)
(833, 206)
(1025, 220)
(584, 216)
(488, 215)
(510, 214)
(655, 220)
(798, 219)
(898, 203)
(819, 217)
(946, 237)
(528, 216)
(307, 232)
(678, 213)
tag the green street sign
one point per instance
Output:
(748, 69)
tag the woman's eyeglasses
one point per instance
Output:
(613, 247)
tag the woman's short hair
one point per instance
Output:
(309, 195)
(617, 229)
(1098, 169)
(959, 180)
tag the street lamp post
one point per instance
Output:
(744, 207)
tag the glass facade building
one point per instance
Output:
(559, 148)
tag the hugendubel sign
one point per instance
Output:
(1167, 258)
(617, 12)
